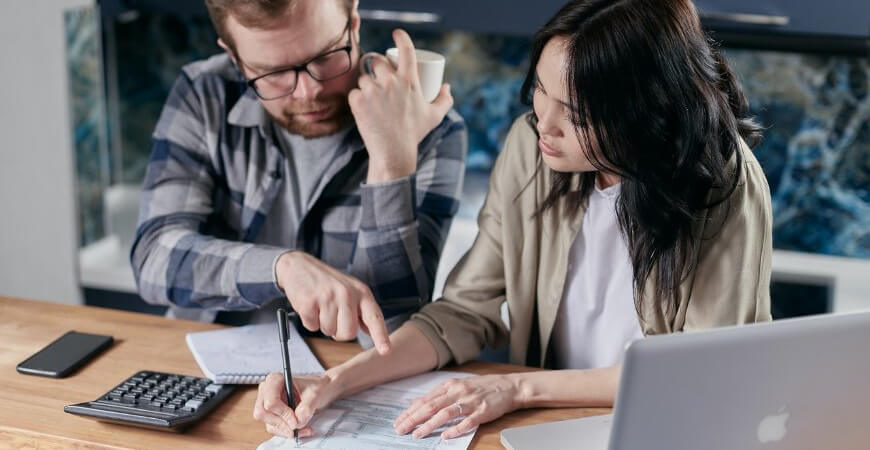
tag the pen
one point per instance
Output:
(285, 357)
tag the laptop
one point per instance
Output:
(792, 384)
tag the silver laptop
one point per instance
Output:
(788, 385)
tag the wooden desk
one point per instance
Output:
(31, 408)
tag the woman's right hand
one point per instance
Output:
(412, 354)
(312, 394)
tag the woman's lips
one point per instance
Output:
(547, 150)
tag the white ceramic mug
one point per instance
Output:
(430, 67)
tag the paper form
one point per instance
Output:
(365, 421)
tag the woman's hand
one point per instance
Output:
(480, 399)
(412, 354)
(313, 394)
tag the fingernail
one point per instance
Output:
(383, 348)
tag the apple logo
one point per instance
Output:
(773, 428)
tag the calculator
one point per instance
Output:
(156, 400)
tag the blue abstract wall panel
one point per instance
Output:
(816, 152)
(816, 109)
(84, 73)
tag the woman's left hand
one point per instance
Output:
(480, 399)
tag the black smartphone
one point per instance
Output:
(66, 354)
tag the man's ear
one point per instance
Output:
(223, 45)
(355, 21)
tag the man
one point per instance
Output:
(280, 172)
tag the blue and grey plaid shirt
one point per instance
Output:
(214, 173)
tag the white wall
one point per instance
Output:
(38, 226)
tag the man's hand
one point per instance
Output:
(391, 114)
(329, 300)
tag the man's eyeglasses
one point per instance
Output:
(323, 67)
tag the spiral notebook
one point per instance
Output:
(245, 355)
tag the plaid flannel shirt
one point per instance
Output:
(214, 172)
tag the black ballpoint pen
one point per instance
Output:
(285, 357)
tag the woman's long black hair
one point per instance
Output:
(652, 95)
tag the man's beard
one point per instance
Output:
(339, 117)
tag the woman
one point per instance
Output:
(627, 204)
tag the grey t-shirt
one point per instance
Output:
(305, 167)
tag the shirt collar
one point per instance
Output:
(608, 192)
(354, 141)
(248, 112)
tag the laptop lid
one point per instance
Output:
(792, 384)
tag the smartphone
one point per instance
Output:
(66, 354)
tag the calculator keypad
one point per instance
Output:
(167, 393)
(156, 400)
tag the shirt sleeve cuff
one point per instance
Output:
(428, 329)
(256, 279)
(390, 204)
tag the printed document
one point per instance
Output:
(365, 421)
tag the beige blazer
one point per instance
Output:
(522, 260)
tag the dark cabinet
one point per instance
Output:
(483, 16)
(518, 17)
(841, 26)
(841, 18)
(838, 18)
(845, 18)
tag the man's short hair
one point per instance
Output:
(250, 13)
